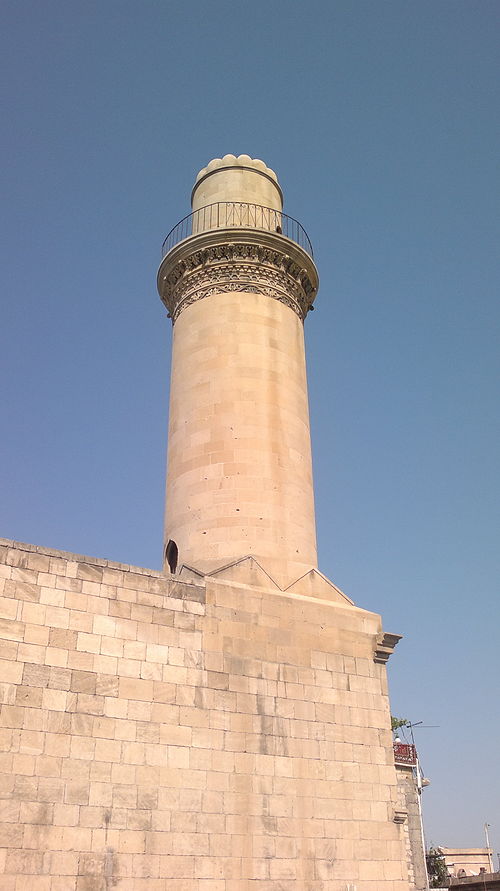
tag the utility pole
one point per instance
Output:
(490, 858)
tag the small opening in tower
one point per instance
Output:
(172, 555)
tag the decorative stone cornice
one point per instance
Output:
(237, 259)
(384, 646)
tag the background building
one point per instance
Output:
(410, 784)
(461, 862)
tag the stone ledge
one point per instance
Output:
(80, 558)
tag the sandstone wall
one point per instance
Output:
(415, 851)
(190, 736)
(239, 447)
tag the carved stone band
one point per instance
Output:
(227, 260)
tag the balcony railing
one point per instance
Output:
(236, 214)
(404, 753)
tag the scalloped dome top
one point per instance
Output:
(240, 161)
(242, 180)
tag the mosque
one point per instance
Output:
(222, 725)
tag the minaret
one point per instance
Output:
(247, 735)
(238, 279)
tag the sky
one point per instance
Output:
(381, 120)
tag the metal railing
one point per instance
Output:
(232, 214)
(404, 753)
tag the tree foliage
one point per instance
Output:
(436, 869)
(396, 723)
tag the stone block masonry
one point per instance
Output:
(198, 734)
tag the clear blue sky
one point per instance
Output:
(381, 119)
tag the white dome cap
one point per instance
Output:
(237, 179)
(240, 161)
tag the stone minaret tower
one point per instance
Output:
(238, 279)
(287, 693)
(224, 725)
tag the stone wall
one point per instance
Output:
(410, 806)
(188, 735)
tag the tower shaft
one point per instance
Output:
(239, 473)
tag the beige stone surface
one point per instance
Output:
(410, 809)
(239, 474)
(226, 728)
(235, 179)
(166, 735)
(239, 477)
(470, 860)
